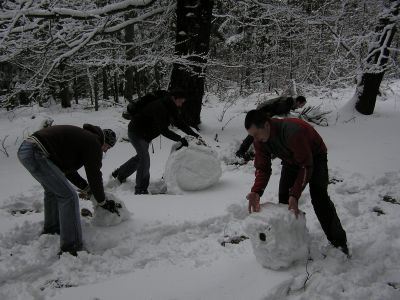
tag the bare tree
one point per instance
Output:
(192, 42)
(377, 60)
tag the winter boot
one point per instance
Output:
(115, 174)
(141, 192)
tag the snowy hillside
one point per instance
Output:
(171, 247)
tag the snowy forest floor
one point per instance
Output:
(171, 247)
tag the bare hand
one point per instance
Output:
(254, 202)
(293, 205)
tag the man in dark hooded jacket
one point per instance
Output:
(154, 119)
(53, 156)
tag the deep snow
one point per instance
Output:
(170, 248)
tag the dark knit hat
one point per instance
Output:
(178, 92)
(110, 137)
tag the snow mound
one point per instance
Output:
(103, 217)
(277, 237)
(191, 168)
(157, 187)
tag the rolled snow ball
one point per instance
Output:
(277, 237)
(103, 217)
(192, 168)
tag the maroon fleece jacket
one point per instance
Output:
(295, 142)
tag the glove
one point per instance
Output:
(111, 206)
(184, 143)
(85, 194)
(240, 154)
(201, 141)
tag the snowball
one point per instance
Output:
(192, 168)
(157, 187)
(103, 217)
(277, 237)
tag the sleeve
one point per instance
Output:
(302, 155)
(171, 135)
(181, 124)
(284, 106)
(93, 173)
(162, 128)
(77, 180)
(262, 163)
(185, 128)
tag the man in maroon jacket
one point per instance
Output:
(53, 156)
(304, 160)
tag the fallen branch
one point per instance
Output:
(3, 145)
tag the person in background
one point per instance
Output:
(304, 161)
(53, 156)
(147, 124)
(280, 106)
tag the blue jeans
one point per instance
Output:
(61, 203)
(139, 163)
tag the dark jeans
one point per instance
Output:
(246, 144)
(323, 206)
(61, 203)
(140, 163)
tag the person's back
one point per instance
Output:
(154, 118)
(69, 147)
(277, 106)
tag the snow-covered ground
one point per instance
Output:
(171, 246)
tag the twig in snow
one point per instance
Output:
(3, 145)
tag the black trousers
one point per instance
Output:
(323, 206)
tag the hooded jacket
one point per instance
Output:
(156, 117)
(70, 148)
(277, 106)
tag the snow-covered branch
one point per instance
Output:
(78, 14)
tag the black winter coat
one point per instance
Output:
(277, 106)
(70, 148)
(155, 119)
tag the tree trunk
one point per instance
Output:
(115, 87)
(91, 86)
(192, 40)
(65, 95)
(157, 77)
(96, 92)
(105, 83)
(376, 62)
(129, 53)
(76, 89)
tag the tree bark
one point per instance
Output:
(66, 95)
(376, 62)
(96, 92)
(115, 88)
(192, 40)
(129, 53)
(105, 83)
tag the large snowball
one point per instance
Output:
(277, 237)
(103, 217)
(192, 168)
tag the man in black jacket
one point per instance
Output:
(54, 154)
(154, 119)
(280, 106)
